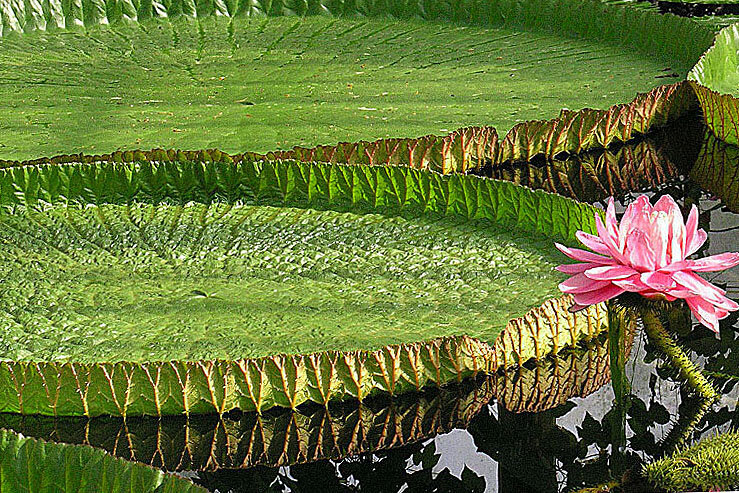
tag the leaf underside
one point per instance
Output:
(289, 437)
(715, 80)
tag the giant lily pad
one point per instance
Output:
(170, 282)
(286, 437)
(113, 269)
(715, 79)
(241, 76)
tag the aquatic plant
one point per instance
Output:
(31, 465)
(647, 254)
(210, 212)
(710, 465)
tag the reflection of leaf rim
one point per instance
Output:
(331, 432)
(717, 170)
(275, 439)
(289, 380)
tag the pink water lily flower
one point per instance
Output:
(647, 254)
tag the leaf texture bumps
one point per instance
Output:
(161, 388)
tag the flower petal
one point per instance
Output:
(700, 287)
(639, 252)
(694, 237)
(658, 281)
(598, 296)
(609, 272)
(632, 284)
(714, 263)
(611, 222)
(576, 308)
(704, 312)
(573, 269)
(636, 213)
(581, 284)
(593, 242)
(667, 205)
(610, 239)
(583, 256)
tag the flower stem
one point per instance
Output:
(687, 371)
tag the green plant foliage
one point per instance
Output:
(146, 283)
(285, 437)
(712, 463)
(102, 214)
(243, 440)
(552, 382)
(243, 81)
(716, 22)
(595, 176)
(717, 81)
(28, 465)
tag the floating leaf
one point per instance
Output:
(114, 383)
(27, 464)
(178, 80)
(179, 443)
(714, 80)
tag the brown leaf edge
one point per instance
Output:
(553, 381)
(595, 176)
(256, 384)
(310, 433)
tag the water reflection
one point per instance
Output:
(593, 176)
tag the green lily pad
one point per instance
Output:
(27, 464)
(715, 80)
(371, 278)
(265, 83)
(174, 283)
(145, 283)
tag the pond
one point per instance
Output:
(540, 428)
(297, 318)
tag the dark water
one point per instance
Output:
(542, 428)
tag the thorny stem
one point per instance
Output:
(687, 371)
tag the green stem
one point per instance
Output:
(680, 434)
(687, 371)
